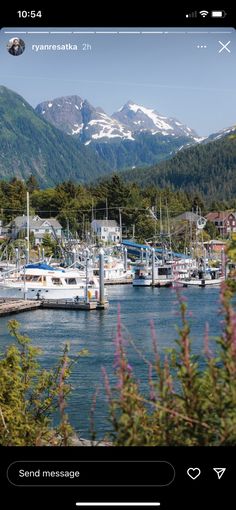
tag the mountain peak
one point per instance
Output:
(140, 118)
(78, 117)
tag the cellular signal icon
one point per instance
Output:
(203, 13)
(191, 15)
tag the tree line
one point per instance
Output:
(77, 205)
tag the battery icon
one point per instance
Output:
(218, 14)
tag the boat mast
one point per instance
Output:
(168, 230)
(161, 232)
(28, 230)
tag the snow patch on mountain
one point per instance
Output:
(158, 121)
(221, 133)
(139, 118)
(77, 117)
(108, 128)
(78, 129)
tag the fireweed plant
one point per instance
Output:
(190, 402)
(187, 405)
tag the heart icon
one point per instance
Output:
(194, 472)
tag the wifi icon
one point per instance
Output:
(204, 13)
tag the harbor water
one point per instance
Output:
(96, 330)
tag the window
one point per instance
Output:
(71, 281)
(56, 281)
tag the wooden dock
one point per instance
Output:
(119, 281)
(9, 306)
(64, 304)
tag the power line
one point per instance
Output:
(56, 211)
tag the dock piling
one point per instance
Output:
(125, 259)
(101, 278)
(153, 267)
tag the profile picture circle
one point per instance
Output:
(16, 46)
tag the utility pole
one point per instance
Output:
(133, 234)
(106, 209)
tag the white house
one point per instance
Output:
(38, 226)
(106, 230)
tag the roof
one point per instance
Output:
(215, 241)
(188, 216)
(106, 223)
(132, 244)
(42, 265)
(219, 215)
(35, 222)
(40, 235)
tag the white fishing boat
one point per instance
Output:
(203, 278)
(163, 275)
(41, 281)
(115, 270)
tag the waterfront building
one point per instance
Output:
(107, 231)
(38, 226)
(224, 221)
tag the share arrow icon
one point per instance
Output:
(219, 472)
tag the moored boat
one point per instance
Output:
(203, 278)
(143, 277)
(41, 281)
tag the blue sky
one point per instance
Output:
(167, 72)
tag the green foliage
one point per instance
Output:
(211, 229)
(29, 395)
(208, 168)
(147, 149)
(189, 404)
(29, 145)
(77, 204)
(32, 184)
(49, 244)
(231, 249)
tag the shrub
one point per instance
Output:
(29, 395)
(188, 404)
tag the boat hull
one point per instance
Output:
(148, 283)
(200, 283)
(7, 291)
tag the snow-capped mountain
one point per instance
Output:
(221, 134)
(78, 117)
(138, 118)
(131, 137)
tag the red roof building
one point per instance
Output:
(224, 221)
